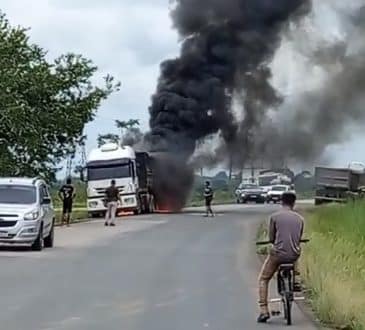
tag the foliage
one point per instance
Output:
(44, 104)
(130, 133)
(107, 138)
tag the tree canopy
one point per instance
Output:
(44, 105)
(130, 135)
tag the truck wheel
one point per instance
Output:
(49, 240)
(38, 243)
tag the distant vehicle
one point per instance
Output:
(339, 184)
(276, 193)
(250, 193)
(26, 213)
(269, 179)
(133, 175)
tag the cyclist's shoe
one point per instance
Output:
(263, 318)
(297, 287)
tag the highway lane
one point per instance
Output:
(159, 272)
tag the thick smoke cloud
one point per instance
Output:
(223, 41)
(226, 49)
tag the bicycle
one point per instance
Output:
(285, 286)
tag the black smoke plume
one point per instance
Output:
(226, 49)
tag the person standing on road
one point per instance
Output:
(67, 194)
(208, 196)
(285, 233)
(111, 200)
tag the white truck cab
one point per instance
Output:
(111, 162)
(26, 213)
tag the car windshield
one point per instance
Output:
(109, 172)
(279, 188)
(249, 186)
(17, 194)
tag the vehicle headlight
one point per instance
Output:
(91, 191)
(31, 216)
(93, 204)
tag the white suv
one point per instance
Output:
(26, 213)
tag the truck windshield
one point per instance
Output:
(279, 188)
(16, 194)
(267, 180)
(109, 172)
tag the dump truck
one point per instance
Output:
(339, 184)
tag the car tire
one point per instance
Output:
(49, 240)
(38, 244)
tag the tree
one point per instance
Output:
(44, 105)
(108, 138)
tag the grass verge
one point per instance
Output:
(220, 197)
(333, 265)
(79, 215)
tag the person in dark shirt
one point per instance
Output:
(111, 202)
(67, 194)
(208, 196)
(285, 233)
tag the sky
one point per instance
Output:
(127, 39)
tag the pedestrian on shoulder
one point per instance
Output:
(208, 196)
(112, 197)
(67, 194)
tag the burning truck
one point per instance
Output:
(147, 181)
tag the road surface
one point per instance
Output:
(159, 272)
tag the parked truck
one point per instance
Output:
(132, 172)
(339, 184)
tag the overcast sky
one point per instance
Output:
(128, 39)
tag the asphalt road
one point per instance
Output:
(160, 272)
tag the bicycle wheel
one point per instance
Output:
(287, 308)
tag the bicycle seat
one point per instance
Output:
(286, 267)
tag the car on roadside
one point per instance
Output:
(27, 215)
(276, 192)
(251, 193)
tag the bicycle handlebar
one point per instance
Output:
(268, 242)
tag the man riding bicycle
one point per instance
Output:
(285, 232)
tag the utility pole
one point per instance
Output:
(69, 167)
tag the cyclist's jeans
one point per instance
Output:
(268, 270)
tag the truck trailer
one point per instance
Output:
(338, 184)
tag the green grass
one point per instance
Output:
(262, 235)
(77, 216)
(333, 264)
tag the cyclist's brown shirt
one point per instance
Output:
(285, 232)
